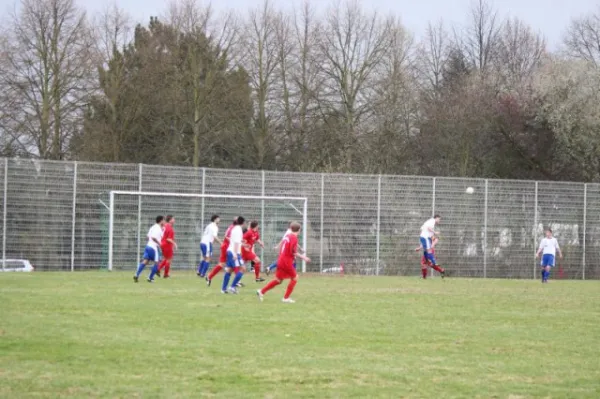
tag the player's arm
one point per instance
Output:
(539, 251)
(172, 241)
(259, 242)
(560, 254)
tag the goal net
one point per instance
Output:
(132, 213)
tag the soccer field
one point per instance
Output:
(97, 334)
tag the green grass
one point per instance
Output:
(99, 335)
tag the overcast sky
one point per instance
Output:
(550, 17)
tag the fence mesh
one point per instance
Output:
(370, 224)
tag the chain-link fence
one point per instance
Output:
(55, 215)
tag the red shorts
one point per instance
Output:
(223, 255)
(167, 251)
(248, 255)
(285, 270)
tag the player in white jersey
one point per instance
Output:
(152, 250)
(211, 233)
(427, 233)
(234, 257)
(273, 265)
(548, 249)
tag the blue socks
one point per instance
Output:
(140, 269)
(545, 276)
(203, 268)
(153, 272)
(225, 281)
(272, 266)
(237, 279)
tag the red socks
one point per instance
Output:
(272, 284)
(257, 270)
(167, 266)
(424, 272)
(437, 268)
(161, 265)
(215, 271)
(290, 289)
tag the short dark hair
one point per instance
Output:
(244, 230)
(437, 216)
(253, 224)
(214, 217)
(168, 218)
(160, 218)
(240, 220)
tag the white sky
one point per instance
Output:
(550, 17)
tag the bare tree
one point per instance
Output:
(353, 45)
(262, 55)
(520, 53)
(433, 55)
(48, 70)
(582, 40)
(113, 29)
(481, 37)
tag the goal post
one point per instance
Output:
(131, 213)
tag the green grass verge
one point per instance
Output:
(99, 335)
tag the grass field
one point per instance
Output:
(99, 335)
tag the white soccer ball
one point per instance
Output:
(470, 190)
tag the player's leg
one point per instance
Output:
(203, 251)
(290, 289)
(272, 267)
(270, 285)
(424, 269)
(148, 255)
(218, 267)
(257, 267)
(207, 261)
(239, 272)
(155, 261)
(228, 270)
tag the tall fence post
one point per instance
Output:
(111, 225)
(139, 215)
(535, 226)
(432, 215)
(202, 200)
(262, 212)
(378, 220)
(485, 224)
(4, 206)
(322, 227)
(73, 216)
(584, 231)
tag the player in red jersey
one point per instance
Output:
(285, 264)
(223, 255)
(252, 237)
(167, 246)
(425, 263)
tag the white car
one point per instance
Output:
(16, 265)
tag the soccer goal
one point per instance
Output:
(132, 213)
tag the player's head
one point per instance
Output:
(549, 232)
(170, 219)
(254, 225)
(295, 227)
(215, 219)
(235, 219)
(437, 218)
(241, 221)
(160, 220)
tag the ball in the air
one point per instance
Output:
(470, 190)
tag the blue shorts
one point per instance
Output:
(425, 243)
(207, 251)
(547, 260)
(151, 254)
(234, 260)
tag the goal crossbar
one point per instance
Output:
(113, 193)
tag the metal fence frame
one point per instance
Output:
(379, 181)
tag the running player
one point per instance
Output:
(425, 262)
(211, 233)
(167, 246)
(285, 269)
(151, 252)
(234, 257)
(548, 249)
(427, 233)
(252, 237)
(273, 265)
(223, 255)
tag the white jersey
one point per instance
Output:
(549, 246)
(210, 233)
(155, 233)
(236, 238)
(427, 227)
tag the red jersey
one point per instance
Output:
(168, 233)
(226, 237)
(289, 248)
(251, 237)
